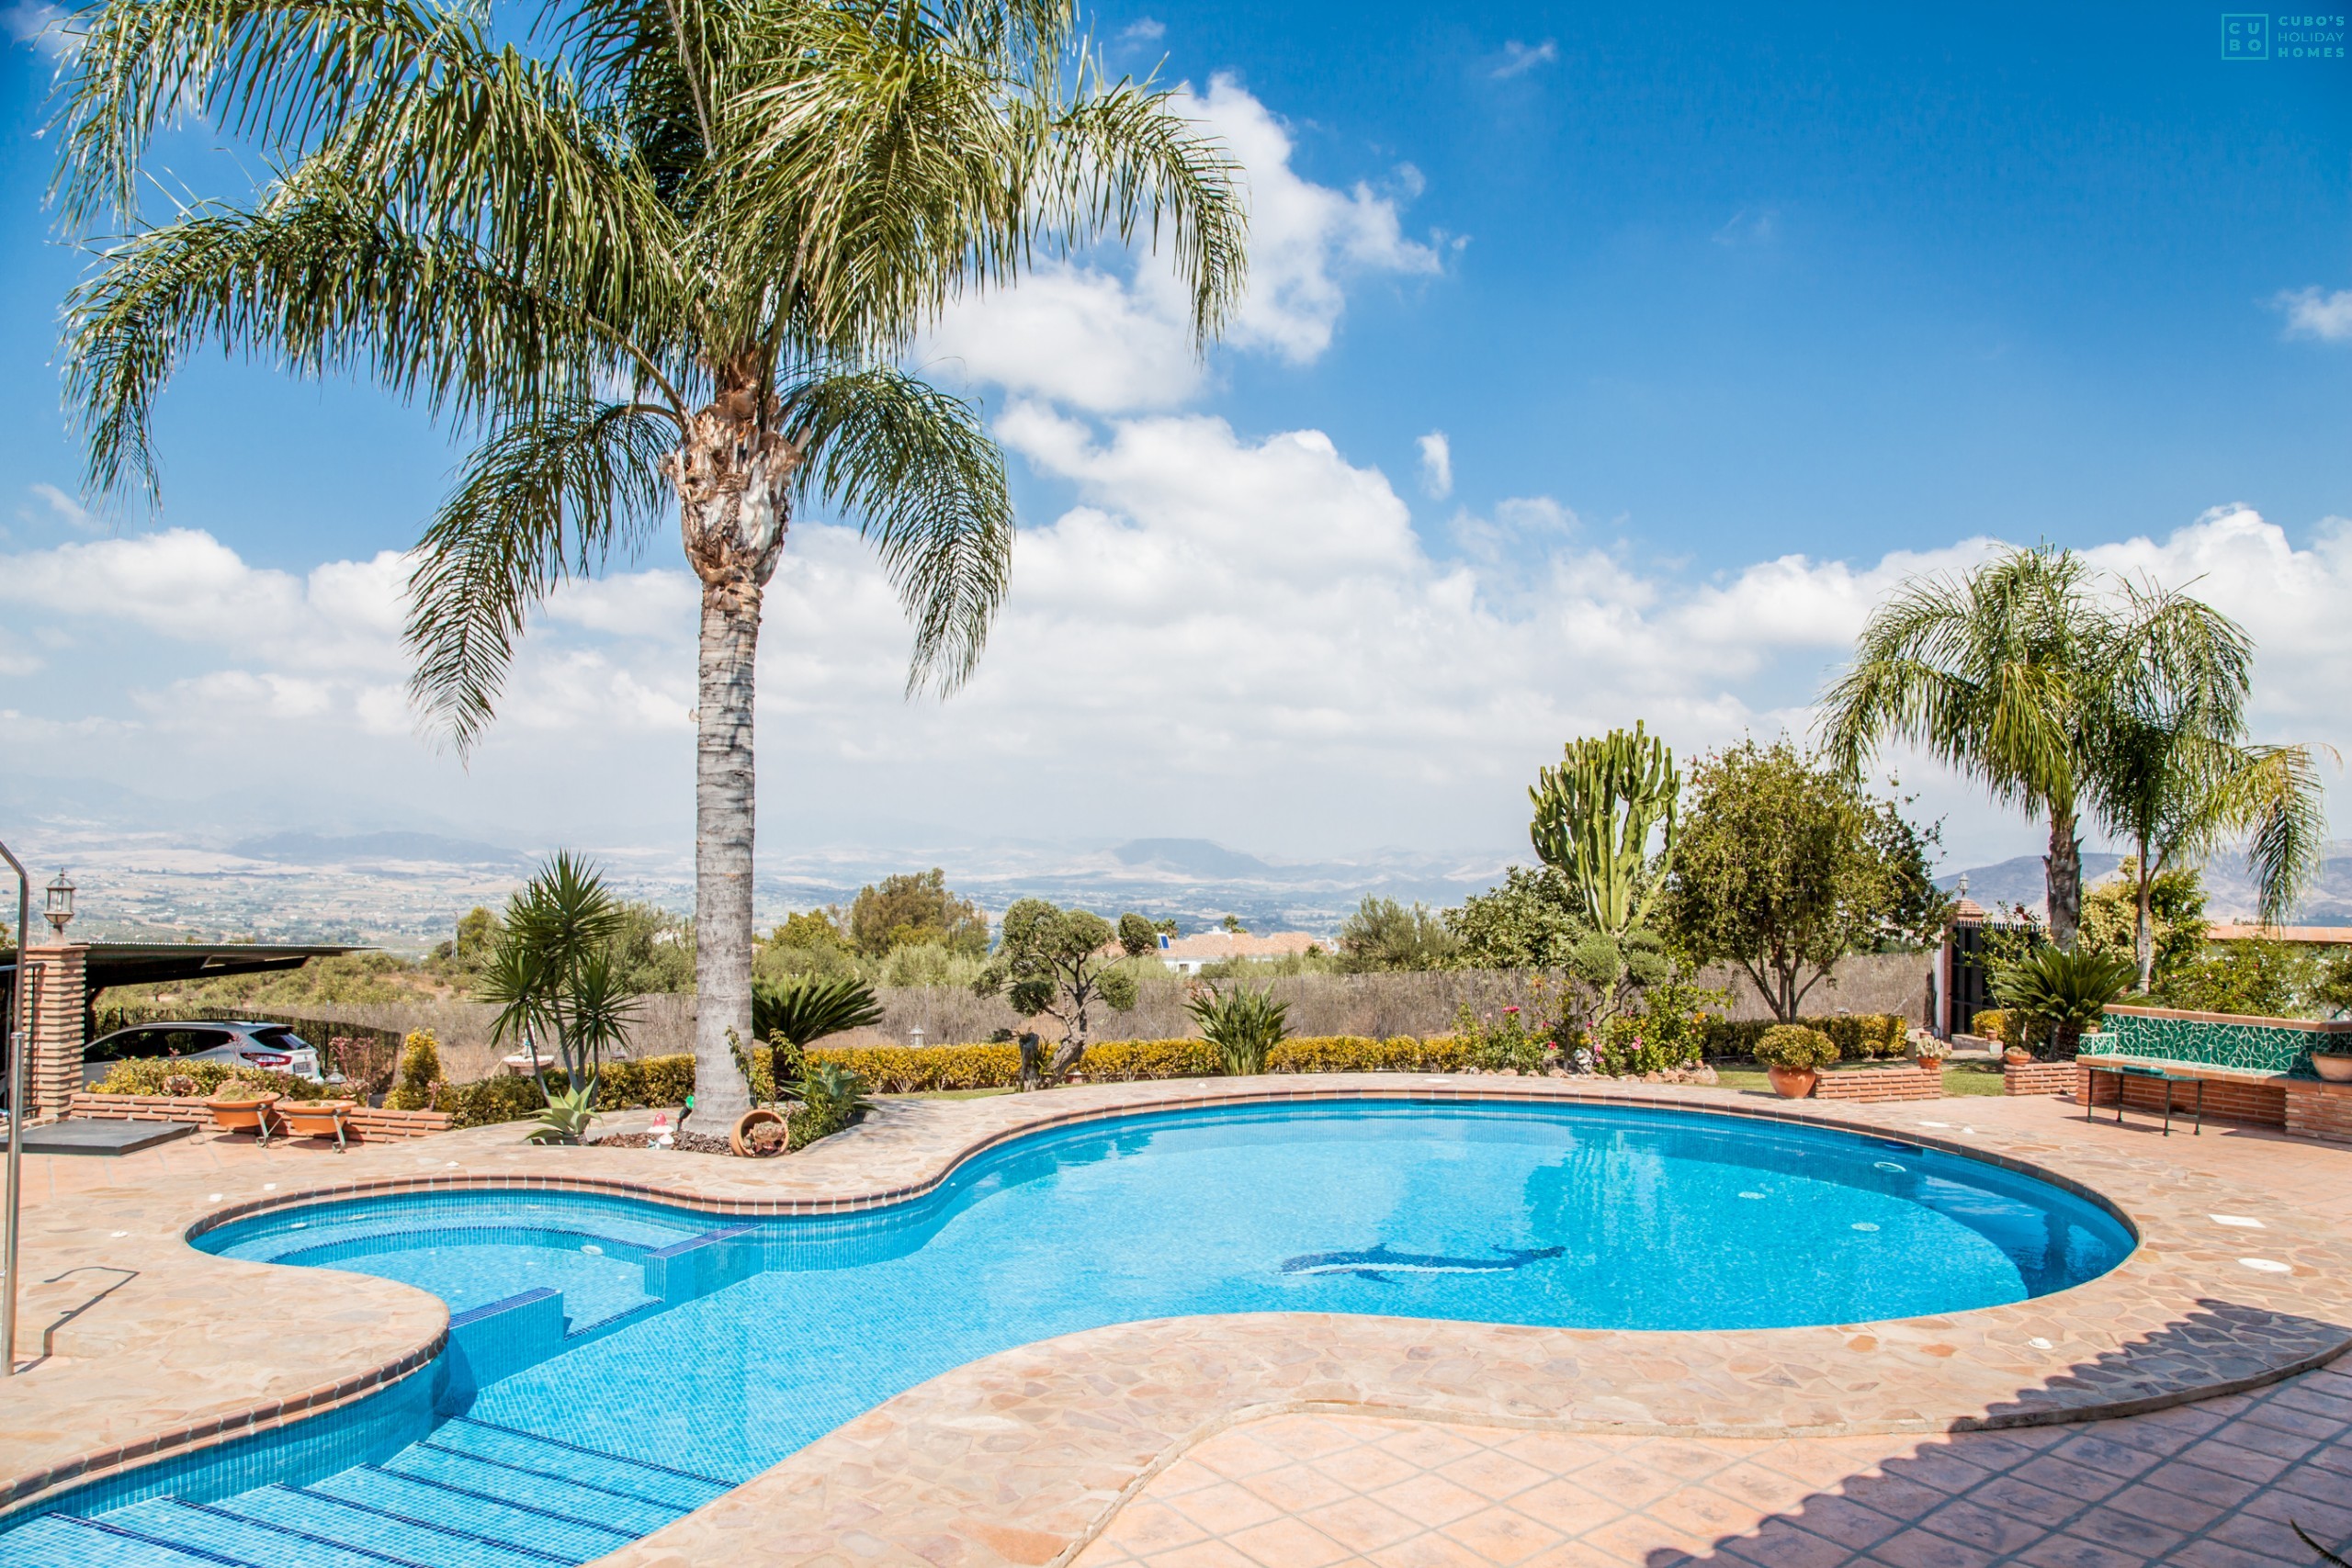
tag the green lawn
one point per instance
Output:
(1960, 1077)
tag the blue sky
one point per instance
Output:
(1686, 290)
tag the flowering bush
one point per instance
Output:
(1495, 1041)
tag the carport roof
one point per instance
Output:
(151, 963)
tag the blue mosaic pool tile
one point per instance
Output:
(55, 1542)
(441, 1539)
(480, 1508)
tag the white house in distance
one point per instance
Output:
(1185, 955)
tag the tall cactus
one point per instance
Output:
(1594, 815)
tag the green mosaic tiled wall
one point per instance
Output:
(2264, 1047)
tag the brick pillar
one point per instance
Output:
(54, 1054)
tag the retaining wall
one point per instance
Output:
(364, 1123)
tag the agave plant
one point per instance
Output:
(831, 1097)
(2062, 990)
(1242, 1024)
(567, 1116)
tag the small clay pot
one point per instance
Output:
(738, 1138)
(2017, 1055)
(1792, 1083)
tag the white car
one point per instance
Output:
(270, 1047)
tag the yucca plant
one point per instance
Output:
(1243, 1025)
(553, 972)
(2062, 991)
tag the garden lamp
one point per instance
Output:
(59, 907)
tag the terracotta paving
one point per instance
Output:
(2218, 1484)
(1029, 1456)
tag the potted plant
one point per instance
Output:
(2335, 1063)
(1795, 1055)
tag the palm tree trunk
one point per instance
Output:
(2063, 878)
(2143, 924)
(733, 473)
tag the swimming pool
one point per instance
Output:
(621, 1362)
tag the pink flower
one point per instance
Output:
(1511, 1009)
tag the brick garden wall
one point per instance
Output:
(2321, 1111)
(2226, 1099)
(2040, 1077)
(363, 1121)
(1873, 1085)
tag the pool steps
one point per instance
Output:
(469, 1494)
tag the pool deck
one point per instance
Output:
(1092, 1447)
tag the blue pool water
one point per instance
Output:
(661, 1355)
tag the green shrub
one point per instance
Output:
(420, 1074)
(487, 1101)
(652, 1081)
(1500, 1040)
(831, 1097)
(1999, 1025)
(1353, 1054)
(1858, 1035)
(1242, 1024)
(1130, 1060)
(147, 1075)
(909, 1069)
(1795, 1046)
(1635, 1045)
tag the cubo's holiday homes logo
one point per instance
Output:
(2245, 36)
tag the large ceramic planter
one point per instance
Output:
(1792, 1083)
(740, 1137)
(2336, 1067)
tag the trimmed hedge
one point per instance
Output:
(2001, 1024)
(146, 1075)
(1353, 1054)
(1859, 1036)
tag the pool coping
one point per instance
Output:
(1920, 1356)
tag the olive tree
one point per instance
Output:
(1058, 963)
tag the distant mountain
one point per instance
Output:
(2229, 890)
(1191, 857)
(376, 850)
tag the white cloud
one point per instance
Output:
(1520, 59)
(1749, 226)
(1143, 30)
(1092, 339)
(61, 506)
(1437, 465)
(2311, 313)
(40, 24)
(1240, 637)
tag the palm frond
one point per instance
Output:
(552, 493)
(915, 467)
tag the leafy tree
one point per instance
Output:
(1596, 813)
(1784, 866)
(911, 908)
(1384, 934)
(554, 974)
(2176, 920)
(646, 255)
(655, 950)
(1057, 963)
(1138, 936)
(477, 935)
(1529, 922)
(2171, 773)
(811, 929)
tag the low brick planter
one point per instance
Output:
(363, 1123)
(2039, 1078)
(2231, 1094)
(1873, 1085)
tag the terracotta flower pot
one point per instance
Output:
(1792, 1083)
(2335, 1067)
(739, 1137)
(2016, 1056)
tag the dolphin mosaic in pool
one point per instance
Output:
(1381, 1263)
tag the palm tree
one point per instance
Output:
(656, 251)
(2171, 773)
(1995, 674)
